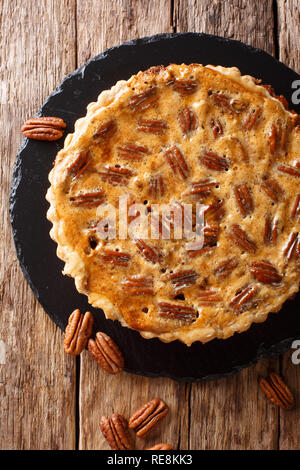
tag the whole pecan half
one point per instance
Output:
(277, 391)
(161, 446)
(115, 431)
(148, 416)
(78, 331)
(44, 128)
(187, 120)
(264, 272)
(105, 351)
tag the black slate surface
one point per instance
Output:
(37, 252)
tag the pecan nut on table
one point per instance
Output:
(148, 416)
(115, 431)
(277, 391)
(105, 351)
(44, 128)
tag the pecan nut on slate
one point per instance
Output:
(105, 351)
(78, 331)
(148, 416)
(161, 446)
(115, 431)
(44, 128)
(277, 391)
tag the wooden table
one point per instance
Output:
(49, 400)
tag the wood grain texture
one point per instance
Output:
(249, 21)
(219, 408)
(289, 32)
(37, 381)
(41, 42)
(288, 12)
(118, 21)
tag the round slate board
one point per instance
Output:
(37, 252)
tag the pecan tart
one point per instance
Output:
(182, 135)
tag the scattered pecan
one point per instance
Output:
(271, 230)
(238, 106)
(277, 136)
(171, 223)
(105, 351)
(80, 163)
(225, 268)
(146, 418)
(176, 160)
(210, 235)
(78, 331)
(161, 446)
(132, 211)
(243, 199)
(160, 225)
(240, 238)
(115, 431)
(252, 118)
(271, 188)
(277, 391)
(216, 126)
(183, 279)
(208, 297)
(138, 285)
(292, 249)
(295, 212)
(272, 138)
(115, 175)
(151, 254)
(210, 238)
(91, 199)
(237, 149)
(264, 272)
(214, 161)
(177, 312)
(243, 297)
(152, 126)
(105, 131)
(143, 101)
(281, 98)
(290, 170)
(44, 128)
(116, 258)
(202, 188)
(156, 187)
(229, 104)
(131, 151)
(220, 100)
(187, 120)
(184, 87)
(215, 211)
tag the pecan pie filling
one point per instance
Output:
(182, 135)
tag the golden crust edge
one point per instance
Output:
(73, 262)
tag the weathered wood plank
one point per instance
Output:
(249, 21)
(289, 53)
(100, 394)
(116, 21)
(37, 381)
(219, 408)
(289, 420)
(289, 32)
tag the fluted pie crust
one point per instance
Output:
(184, 134)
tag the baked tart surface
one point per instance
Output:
(182, 136)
